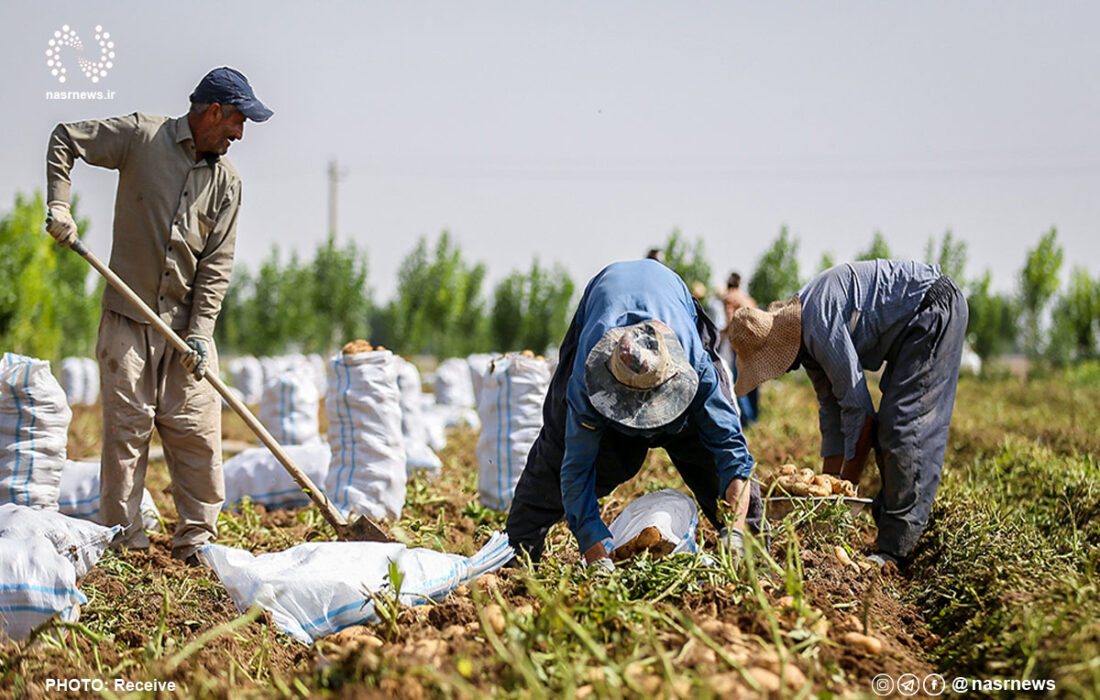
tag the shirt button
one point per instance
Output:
(185, 193)
(162, 298)
(169, 249)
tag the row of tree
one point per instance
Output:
(49, 309)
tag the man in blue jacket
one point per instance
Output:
(855, 317)
(638, 369)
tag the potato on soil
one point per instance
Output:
(494, 615)
(869, 645)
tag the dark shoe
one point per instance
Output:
(191, 559)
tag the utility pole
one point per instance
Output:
(335, 174)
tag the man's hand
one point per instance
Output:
(197, 357)
(60, 224)
(598, 556)
(737, 495)
(733, 540)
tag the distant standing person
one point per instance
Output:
(735, 299)
(855, 317)
(175, 229)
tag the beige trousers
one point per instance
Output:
(143, 386)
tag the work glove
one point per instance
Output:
(603, 565)
(59, 223)
(733, 540)
(197, 357)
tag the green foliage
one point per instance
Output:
(951, 257)
(309, 306)
(439, 307)
(1076, 320)
(776, 275)
(1038, 284)
(1006, 571)
(827, 261)
(687, 260)
(531, 310)
(46, 308)
(992, 327)
(879, 249)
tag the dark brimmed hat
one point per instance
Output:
(639, 376)
(766, 342)
(226, 86)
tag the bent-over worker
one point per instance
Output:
(638, 369)
(854, 317)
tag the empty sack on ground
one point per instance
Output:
(78, 496)
(80, 541)
(35, 583)
(318, 588)
(257, 473)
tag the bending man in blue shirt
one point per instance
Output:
(638, 369)
(854, 317)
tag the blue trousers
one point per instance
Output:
(918, 397)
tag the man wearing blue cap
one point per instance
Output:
(174, 233)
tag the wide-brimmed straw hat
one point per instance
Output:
(766, 342)
(639, 376)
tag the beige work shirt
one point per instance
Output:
(175, 220)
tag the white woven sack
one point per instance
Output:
(80, 541)
(256, 473)
(316, 363)
(73, 381)
(34, 427)
(479, 367)
(674, 514)
(434, 423)
(418, 455)
(511, 417)
(35, 583)
(91, 381)
(453, 385)
(79, 495)
(290, 406)
(318, 588)
(247, 375)
(367, 473)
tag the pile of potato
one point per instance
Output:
(806, 482)
(358, 346)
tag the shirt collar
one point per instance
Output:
(183, 135)
(183, 130)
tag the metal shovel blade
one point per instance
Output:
(361, 530)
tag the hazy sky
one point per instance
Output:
(584, 132)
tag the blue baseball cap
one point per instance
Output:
(229, 87)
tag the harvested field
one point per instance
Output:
(793, 621)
